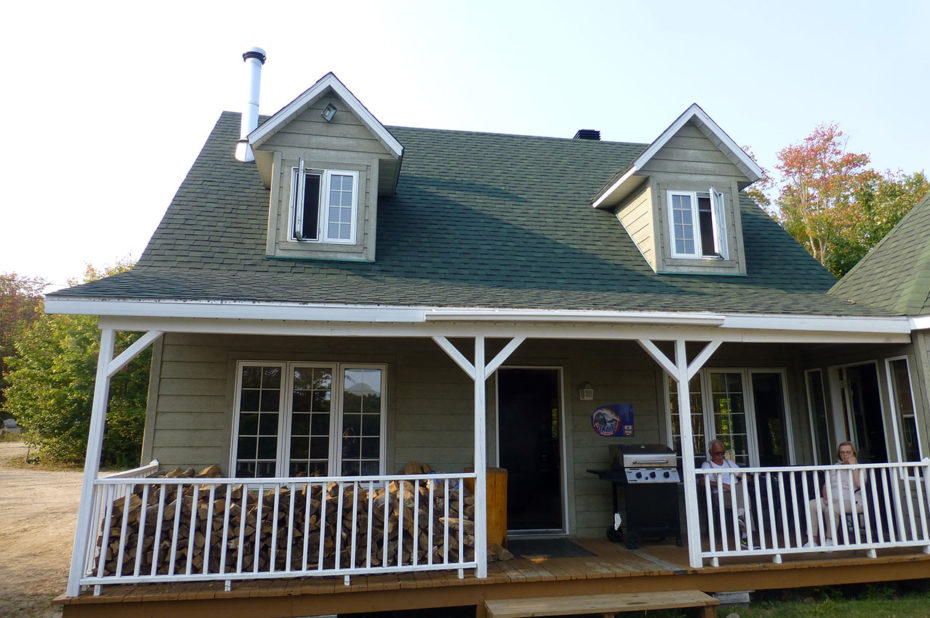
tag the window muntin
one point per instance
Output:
(697, 223)
(324, 207)
(327, 417)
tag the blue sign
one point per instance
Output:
(612, 420)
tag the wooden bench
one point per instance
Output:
(602, 604)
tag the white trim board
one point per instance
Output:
(693, 112)
(295, 107)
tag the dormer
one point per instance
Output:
(679, 200)
(326, 160)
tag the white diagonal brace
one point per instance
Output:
(658, 356)
(455, 355)
(695, 365)
(132, 351)
(503, 355)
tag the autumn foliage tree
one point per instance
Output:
(834, 204)
(20, 305)
(51, 386)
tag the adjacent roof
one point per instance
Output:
(895, 274)
(478, 220)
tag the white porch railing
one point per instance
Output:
(197, 529)
(774, 511)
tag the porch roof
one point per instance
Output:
(478, 220)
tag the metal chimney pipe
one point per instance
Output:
(254, 59)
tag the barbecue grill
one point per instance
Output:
(649, 478)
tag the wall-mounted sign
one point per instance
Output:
(615, 419)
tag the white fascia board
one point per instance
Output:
(693, 111)
(818, 323)
(553, 315)
(260, 134)
(920, 322)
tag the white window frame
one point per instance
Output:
(298, 186)
(718, 222)
(710, 433)
(284, 413)
(830, 427)
(895, 412)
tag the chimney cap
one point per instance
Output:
(592, 134)
(254, 52)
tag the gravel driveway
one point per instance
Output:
(38, 512)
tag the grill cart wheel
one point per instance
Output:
(633, 540)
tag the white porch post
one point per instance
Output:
(682, 372)
(479, 372)
(692, 525)
(92, 461)
(481, 461)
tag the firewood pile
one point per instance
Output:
(256, 522)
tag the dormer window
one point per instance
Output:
(697, 223)
(325, 205)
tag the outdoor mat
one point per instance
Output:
(546, 548)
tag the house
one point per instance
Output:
(344, 297)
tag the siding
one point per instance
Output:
(636, 217)
(430, 400)
(690, 153)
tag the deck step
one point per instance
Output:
(601, 604)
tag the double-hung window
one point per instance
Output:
(308, 419)
(697, 224)
(324, 206)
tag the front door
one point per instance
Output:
(529, 447)
(863, 412)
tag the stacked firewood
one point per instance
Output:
(257, 528)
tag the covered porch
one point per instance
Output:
(349, 540)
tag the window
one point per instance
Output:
(325, 205)
(903, 401)
(743, 408)
(820, 423)
(306, 419)
(697, 224)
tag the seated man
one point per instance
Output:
(725, 481)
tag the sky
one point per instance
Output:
(106, 105)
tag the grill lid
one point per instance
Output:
(625, 456)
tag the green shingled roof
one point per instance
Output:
(478, 220)
(895, 275)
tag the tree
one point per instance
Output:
(51, 387)
(20, 304)
(834, 204)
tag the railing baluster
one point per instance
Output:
(192, 527)
(225, 537)
(339, 515)
(724, 533)
(445, 522)
(290, 527)
(385, 559)
(243, 509)
(371, 506)
(783, 509)
(124, 523)
(259, 506)
(429, 535)
(163, 490)
(416, 523)
(709, 507)
(895, 523)
(308, 492)
(324, 492)
(273, 552)
(208, 530)
(747, 519)
(141, 530)
(772, 532)
(462, 521)
(352, 562)
(400, 524)
(105, 538)
(174, 535)
(910, 504)
(869, 477)
(792, 479)
(96, 531)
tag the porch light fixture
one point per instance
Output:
(328, 112)
(586, 391)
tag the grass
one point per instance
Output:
(886, 600)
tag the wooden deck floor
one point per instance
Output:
(612, 568)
